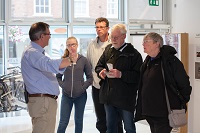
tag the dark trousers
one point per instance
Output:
(101, 114)
(159, 124)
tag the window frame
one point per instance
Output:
(44, 6)
(63, 20)
(142, 27)
(90, 21)
(143, 21)
(86, 7)
(2, 10)
(109, 15)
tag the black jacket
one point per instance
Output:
(176, 79)
(120, 92)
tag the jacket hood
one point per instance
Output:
(168, 50)
(165, 51)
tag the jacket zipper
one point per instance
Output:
(72, 79)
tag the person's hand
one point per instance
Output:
(65, 63)
(73, 57)
(115, 73)
(102, 74)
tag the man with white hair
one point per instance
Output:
(119, 69)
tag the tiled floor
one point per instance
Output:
(20, 122)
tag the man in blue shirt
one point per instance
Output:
(38, 75)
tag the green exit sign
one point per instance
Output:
(154, 2)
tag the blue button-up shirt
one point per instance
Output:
(38, 71)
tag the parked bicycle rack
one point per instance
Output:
(12, 91)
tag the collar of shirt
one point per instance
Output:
(121, 48)
(37, 46)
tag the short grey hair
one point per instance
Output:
(155, 37)
(120, 27)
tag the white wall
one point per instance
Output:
(185, 18)
(137, 43)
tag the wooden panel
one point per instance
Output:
(184, 50)
(183, 56)
(184, 59)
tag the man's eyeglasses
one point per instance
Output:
(47, 34)
(116, 37)
(71, 45)
(100, 27)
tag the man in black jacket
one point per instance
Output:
(118, 68)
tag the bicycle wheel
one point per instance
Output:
(19, 91)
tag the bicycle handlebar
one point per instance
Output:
(12, 74)
(13, 67)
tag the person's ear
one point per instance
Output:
(158, 44)
(42, 35)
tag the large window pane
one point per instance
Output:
(43, 9)
(81, 8)
(112, 11)
(1, 50)
(19, 39)
(84, 35)
(2, 7)
(142, 10)
(92, 9)
(57, 43)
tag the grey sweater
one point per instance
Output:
(72, 81)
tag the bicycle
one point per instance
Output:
(12, 91)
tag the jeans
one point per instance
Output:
(101, 114)
(65, 111)
(112, 119)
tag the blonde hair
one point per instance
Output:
(66, 53)
(72, 37)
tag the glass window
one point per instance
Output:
(27, 10)
(142, 10)
(57, 43)
(91, 9)
(84, 35)
(112, 11)
(81, 8)
(1, 50)
(2, 7)
(19, 39)
(42, 7)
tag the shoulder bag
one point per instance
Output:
(177, 117)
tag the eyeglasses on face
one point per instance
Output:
(100, 27)
(115, 37)
(47, 34)
(147, 41)
(71, 45)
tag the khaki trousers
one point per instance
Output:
(42, 110)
